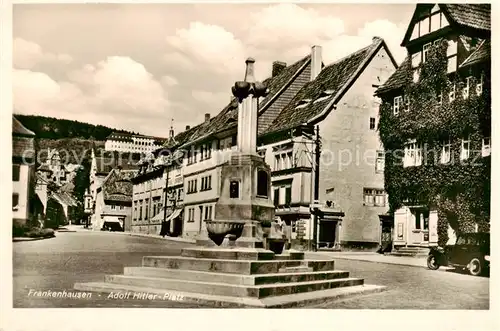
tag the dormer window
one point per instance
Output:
(324, 95)
(406, 103)
(303, 103)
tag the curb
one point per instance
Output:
(173, 239)
(356, 258)
(19, 239)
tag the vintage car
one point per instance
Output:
(471, 251)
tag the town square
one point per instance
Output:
(339, 158)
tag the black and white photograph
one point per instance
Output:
(332, 156)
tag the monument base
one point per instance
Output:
(236, 277)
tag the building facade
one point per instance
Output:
(23, 173)
(113, 204)
(436, 112)
(131, 143)
(303, 97)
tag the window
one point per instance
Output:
(406, 103)
(113, 207)
(372, 123)
(276, 197)
(446, 152)
(15, 172)
(451, 95)
(283, 161)
(206, 151)
(374, 197)
(380, 162)
(486, 148)
(234, 189)
(452, 56)
(479, 86)
(413, 154)
(379, 198)
(201, 213)
(154, 209)
(135, 210)
(397, 104)
(465, 151)
(192, 186)
(466, 89)
(206, 183)
(421, 219)
(234, 140)
(262, 183)
(416, 59)
(190, 215)
(146, 210)
(288, 195)
(15, 201)
(208, 212)
(425, 51)
(140, 209)
(433, 21)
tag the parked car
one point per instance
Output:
(111, 226)
(471, 251)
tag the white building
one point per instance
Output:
(130, 143)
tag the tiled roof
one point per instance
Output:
(476, 16)
(333, 79)
(227, 118)
(124, 136)
(106, 164)
(19, 129)
(65, 198)
(23, 146)
(118, 186)
(482, 53)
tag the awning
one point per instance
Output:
(161, 214)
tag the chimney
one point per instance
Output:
(278, 67)
(207, 117)
(188, 127)
(316, 61)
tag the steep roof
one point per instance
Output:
(19, 129)
(64, 198)
(227, 118)
(317, 97)
(117, 186)
(475, 16)
(482, 53)
(106, 164)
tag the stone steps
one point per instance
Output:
(240, 254)
(411, 251)
(190, 275)
(214, 301)
(233, 266)
(224, 289)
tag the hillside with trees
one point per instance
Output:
(54, 128)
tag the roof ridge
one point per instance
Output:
(352, 54)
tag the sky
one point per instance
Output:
(142, 67)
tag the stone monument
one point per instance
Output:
(230, 265)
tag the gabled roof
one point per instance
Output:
(117, 186)
(19, 129)
(317, 98)
(482, 53)
(106, 164)
(64, 198)
(399, 78)
(227, 118)
(475, 16)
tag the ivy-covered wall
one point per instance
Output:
(459, 190)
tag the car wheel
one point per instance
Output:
(475, 267)
(432, 263)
